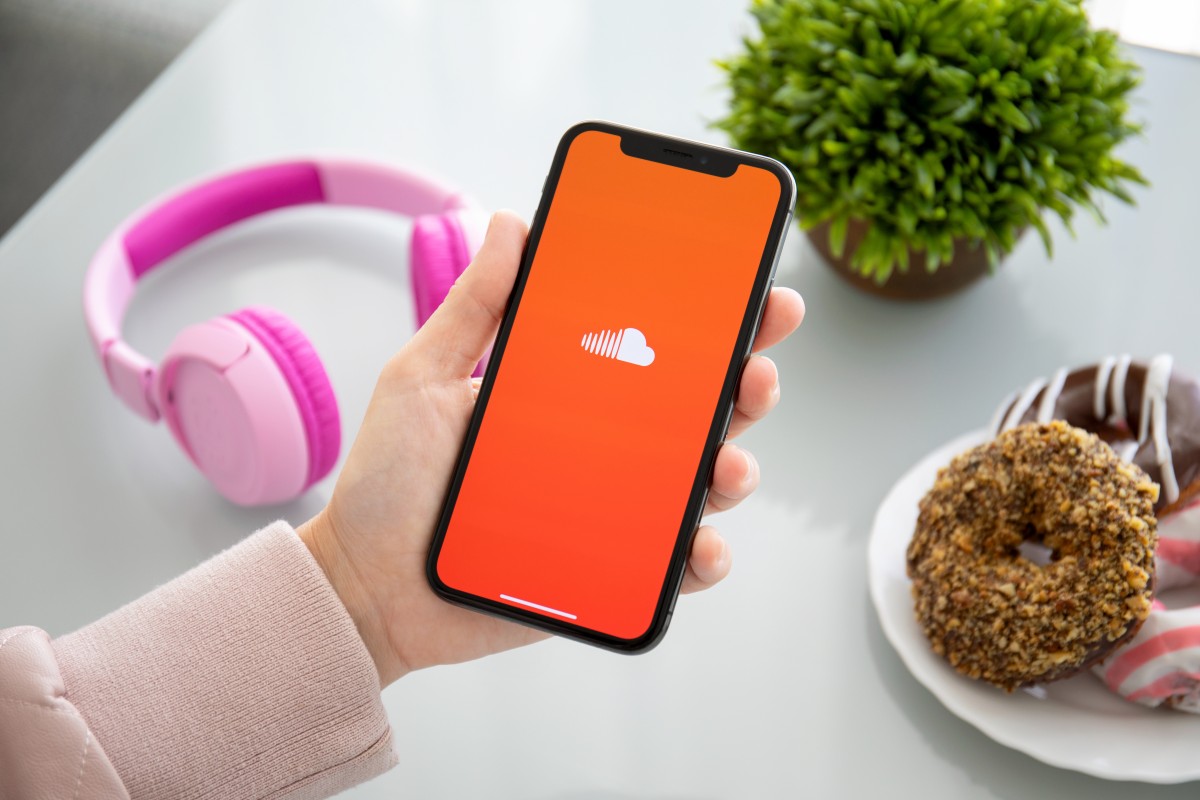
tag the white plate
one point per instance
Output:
(1075, 724)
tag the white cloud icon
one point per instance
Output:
(628, 345)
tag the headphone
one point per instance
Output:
(245, 394)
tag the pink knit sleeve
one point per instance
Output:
(245, 677)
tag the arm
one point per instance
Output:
(257, 674)
(245, 677)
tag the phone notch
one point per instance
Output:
(679, 153)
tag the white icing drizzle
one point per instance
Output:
(1153, 422)
(1162, 449)
(1126, 450)
(1100, 397)
(999, 414)
(1158, 374)
(1120, 372)
(1050, 396)
(1023, 403)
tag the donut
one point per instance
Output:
(1160, 666)
(995, 615)
(1147, 412)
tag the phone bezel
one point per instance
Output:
(683, 154)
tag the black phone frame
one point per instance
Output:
(676, 152)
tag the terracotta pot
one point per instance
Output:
(968, 265)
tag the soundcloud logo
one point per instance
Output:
(628, 345)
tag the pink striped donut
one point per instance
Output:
(1161, 665)
(1150, 413)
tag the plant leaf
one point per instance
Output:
(1044, 232)
(837, 235)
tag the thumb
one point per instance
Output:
(462, 328)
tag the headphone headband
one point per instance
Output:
(167, 226)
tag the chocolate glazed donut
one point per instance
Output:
(1145, 411)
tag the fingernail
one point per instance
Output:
(751, 469)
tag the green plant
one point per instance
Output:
(934, 120)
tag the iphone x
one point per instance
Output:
(612, 381)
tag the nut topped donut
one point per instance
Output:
(996, 615)
(1160, 666)
(1147, 411)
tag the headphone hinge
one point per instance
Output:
(131, 376)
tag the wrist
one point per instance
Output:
(320, 537)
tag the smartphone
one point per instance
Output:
(586, 465)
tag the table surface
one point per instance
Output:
(779, 683)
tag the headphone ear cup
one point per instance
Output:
(249, 402)
(308, 381)
(442, 246)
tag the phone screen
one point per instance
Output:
(578, 481)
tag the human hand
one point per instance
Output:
(373, 538)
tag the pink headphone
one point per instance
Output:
(245, 394)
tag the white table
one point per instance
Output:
(778, 683)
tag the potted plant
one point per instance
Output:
(926, 135)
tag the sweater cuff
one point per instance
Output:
(245, 677)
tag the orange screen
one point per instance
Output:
(575, 490)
